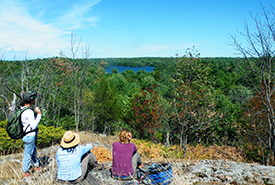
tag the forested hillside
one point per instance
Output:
(185, 101)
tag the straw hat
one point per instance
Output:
(70, 139)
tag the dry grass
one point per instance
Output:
(216, 152)
(8, 170)
(87, 137)
(151, 152)
(11, 173)
(101, 154)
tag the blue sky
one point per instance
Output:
(123, 28)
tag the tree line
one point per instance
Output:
(185, 100)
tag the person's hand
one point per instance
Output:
(129, 136)
(37, 110)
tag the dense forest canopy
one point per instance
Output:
(185, 100)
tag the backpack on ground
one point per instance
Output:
(14, 126)
(160, 174)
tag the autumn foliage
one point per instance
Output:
(257, 129)
(147, 112)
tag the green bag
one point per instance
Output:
(14, 126)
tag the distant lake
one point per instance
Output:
(124, 68)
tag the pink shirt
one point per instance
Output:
(122, 158)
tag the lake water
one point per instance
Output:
(124, 68)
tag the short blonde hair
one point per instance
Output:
(123, 135)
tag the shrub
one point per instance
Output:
(8, 145)
(46, 137)
(253, 153)
(67, 122)
(49, 135)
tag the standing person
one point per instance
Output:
(126, 159)
(30, 122)
(73, 159)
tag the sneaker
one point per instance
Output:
(26, 174)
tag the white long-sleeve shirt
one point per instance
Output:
(28, 118)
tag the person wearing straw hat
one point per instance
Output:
(73, 159)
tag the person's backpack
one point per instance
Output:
(14, 126)
(160, 174)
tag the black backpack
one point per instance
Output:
(14, 126)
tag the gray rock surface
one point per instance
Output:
(185, 172)
(200, 172)
(224, 172)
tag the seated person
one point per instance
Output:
(126, 159)
(73, 159)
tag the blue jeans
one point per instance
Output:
(29, 153)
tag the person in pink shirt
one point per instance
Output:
(126, 159)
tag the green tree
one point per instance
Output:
(108, 107)
(147, 112)
(114, 71)
(194, 100)
(258, 67)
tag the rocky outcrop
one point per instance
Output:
(224, 172)
(195, 172)
(185, 172)
(200, 172)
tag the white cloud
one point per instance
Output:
(21, 32)
(77, 16)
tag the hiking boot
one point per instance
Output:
(27, 174)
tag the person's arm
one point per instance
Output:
(135, 148)
(129, 137)
(56, 157)
(32, 120)
(86, 148)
